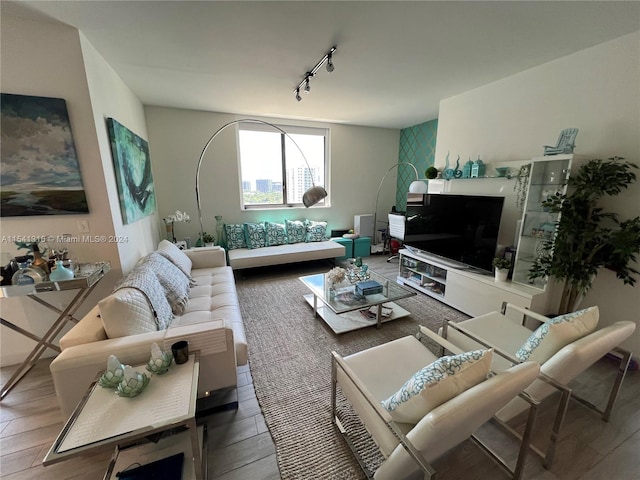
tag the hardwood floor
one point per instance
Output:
(241, 447)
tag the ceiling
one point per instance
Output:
(394, 62)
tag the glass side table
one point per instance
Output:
(84, 282)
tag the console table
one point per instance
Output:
(84, 282)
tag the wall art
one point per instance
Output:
(133, 172)
(39, 168)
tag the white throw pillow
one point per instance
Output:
(177, 256)
(551, 336)
(437, 383)
(126, 312)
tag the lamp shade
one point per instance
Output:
(418, 186)
(314, 195)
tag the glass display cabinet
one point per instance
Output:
(549, 175)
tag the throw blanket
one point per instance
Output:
(144, 279)
(173, 280)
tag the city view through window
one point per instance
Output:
(269, 173)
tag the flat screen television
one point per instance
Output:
(461, 230)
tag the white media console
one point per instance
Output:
(466, 290)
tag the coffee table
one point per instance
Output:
(168, 404)
(342, 312)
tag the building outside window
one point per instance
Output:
(273, 171)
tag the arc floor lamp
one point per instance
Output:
(417, 186)
(312, 196)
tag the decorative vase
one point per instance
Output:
(501, 274)
(169, 229)
(219, 229)
(61, 272)
(27, 275)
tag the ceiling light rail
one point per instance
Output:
(305, 84)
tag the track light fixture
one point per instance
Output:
(305, 83)
(330, 66)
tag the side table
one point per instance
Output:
(103, 419)
(84, 283)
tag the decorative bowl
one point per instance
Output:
(133, 385)
(502, 171)
(160, 365)
(113, 375)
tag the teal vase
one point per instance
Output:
(61, 273)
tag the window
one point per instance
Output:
(273, 170)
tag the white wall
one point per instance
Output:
(110, 97)
(45, 58)
(596, 90)
(359, 158)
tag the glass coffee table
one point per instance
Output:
(344, 310)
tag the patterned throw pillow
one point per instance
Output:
(551, 336)
(437, 383)
(316, 231)
(255, 235)
(235, 235)
(276, 233)
(296, 231)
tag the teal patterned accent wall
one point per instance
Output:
(417, 146)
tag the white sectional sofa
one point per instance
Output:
(123, 324)
(269, 243)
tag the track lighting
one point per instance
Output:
(330, 66)
(305, 83)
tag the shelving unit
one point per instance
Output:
(549, 175)
(463, 289)
(422, 276)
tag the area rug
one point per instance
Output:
(290, 362)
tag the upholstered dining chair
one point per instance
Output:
(413, 428)
(564, 346)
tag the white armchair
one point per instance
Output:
(561, 359)
(369, 377)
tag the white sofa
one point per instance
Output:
(240, 258)
(211, 322)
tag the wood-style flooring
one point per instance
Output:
(241, 447)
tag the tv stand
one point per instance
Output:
(465, 289)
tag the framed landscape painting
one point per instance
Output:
(133, 172)
(39, 169)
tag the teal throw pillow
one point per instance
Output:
(235, 235)
(255, 235)
(558, 332)
(316, 231)
(276, 233)
(437, 383)
(296, 231)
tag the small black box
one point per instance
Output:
(339, 233)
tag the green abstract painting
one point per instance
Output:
(133, 172)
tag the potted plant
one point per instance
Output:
(502, 266)
(588, 238)
(208, 239)
(431, 173)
